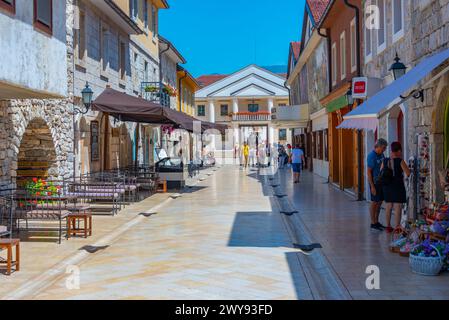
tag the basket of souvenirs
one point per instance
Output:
(429, 257)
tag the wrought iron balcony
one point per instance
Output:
(155, 92)
(251, 116)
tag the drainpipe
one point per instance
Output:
(359, 73)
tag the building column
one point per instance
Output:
(271, 135)
(270, 104)
(235, 105)
(211, 111)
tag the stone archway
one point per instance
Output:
(37, 153)
(19, 116)
(438, 131)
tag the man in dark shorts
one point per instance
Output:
(375, 160)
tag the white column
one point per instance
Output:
(235, 106)
(211, 111)
(270, 104)
(271, 135)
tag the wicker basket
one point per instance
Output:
(426, 266)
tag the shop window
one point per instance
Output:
(43, 15)
(326, 144)
(224, 110)
(201, 111)
(314, 149)
(8, 5)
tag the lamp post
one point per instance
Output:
(86, 95)
(399, 69)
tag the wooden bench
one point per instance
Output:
(8, 245)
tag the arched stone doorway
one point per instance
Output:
(397, 128)
(37, 153)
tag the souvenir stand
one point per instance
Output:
(424, 234)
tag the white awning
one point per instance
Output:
(370, 123)
(374, 106)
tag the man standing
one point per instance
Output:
(375, 160)
(297, 161)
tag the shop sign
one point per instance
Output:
(363, 87)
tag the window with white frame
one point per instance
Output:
(353, 46)
(398, 19)
(343, 55)
(368, 44)
(381, 32)
(145, 13)
(154, 20)
(104, 46)
(334, 64)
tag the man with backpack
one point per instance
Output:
(375, 160)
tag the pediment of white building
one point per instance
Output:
(250, 81)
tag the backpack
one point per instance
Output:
(386, 175)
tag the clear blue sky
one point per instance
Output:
(221, 36)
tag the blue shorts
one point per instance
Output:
(379, 197)
(296, 167)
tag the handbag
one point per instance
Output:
(386, 175)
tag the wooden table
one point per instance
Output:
(8, 244)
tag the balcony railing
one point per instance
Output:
(154, 92)
(252, 116)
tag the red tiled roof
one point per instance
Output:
(207, 80)
(296, 47)
(317, 8)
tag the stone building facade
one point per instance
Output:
(36, 127)
(424, 32)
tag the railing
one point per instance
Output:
(252, 116)
(155, 92)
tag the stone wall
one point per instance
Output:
(14, 128)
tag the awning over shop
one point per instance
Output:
(129, 108)
(359, 123)
(374, 106)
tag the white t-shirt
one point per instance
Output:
(297, 155)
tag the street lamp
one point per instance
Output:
(86, 95)
(398, 68)
(350, 98)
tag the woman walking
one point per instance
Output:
(394, 192)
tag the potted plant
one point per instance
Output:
(151, 89)
(428, 258)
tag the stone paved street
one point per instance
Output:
(225, 239)
(219, 241)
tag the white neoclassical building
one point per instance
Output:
(245, 101)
